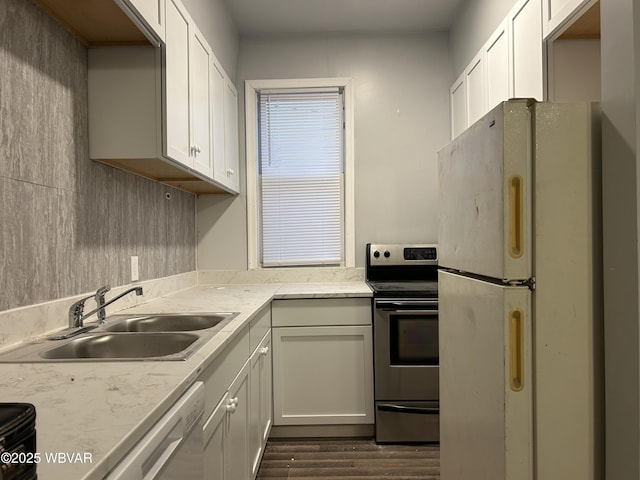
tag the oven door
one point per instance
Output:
(406, 350)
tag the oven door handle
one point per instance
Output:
(430, 313)
(387, 407)
(405, 303)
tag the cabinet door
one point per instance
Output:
(556, 12)
(476, 89)
(237, 461)
(200, 57)
(497, 67)
(458, 95)
(217, 89)
(231, 135)
(177, 84)
(266, 389)
(322, 375)
(151, 12)
(261, 404)
(215, 436)
(526, 50)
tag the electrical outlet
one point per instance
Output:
(135, 272)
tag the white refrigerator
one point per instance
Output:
(520, 296)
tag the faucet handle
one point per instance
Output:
(100, 301)
(101, 292)
(76, 311)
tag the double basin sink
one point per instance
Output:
(128, 338)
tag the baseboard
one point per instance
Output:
(319, 431)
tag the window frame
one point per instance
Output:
(252, 87)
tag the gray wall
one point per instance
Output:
(620, 211)
(401, 120)
(69, 225)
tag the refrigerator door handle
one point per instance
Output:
(386, 407)
(516, 216)
(516, 349)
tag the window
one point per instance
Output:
(299, 164)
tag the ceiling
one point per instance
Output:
(322, 16)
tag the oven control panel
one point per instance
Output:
(399, 254)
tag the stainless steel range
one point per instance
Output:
(405, 326)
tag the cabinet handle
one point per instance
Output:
(231, 406)
(230, 171)
(264, 350)
(235, 401)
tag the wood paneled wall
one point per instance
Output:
(68, 224)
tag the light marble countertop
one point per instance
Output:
(104, 408)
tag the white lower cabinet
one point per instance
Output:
(322, 373)
(261, 406)
(237, 451)
(215, 440)
(226, 433)
(236, 429)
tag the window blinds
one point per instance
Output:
(301, 177)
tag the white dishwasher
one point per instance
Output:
(172, 449)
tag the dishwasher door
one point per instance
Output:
(172, 449)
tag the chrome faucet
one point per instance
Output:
(76, 312)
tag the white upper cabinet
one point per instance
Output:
(218, 79)
(200, 59)
(150, 13)
(509, 64)
(231, 135)
(499, 75)
(458, 95)
(176, 57)
(476, 89)
(225, 129)
(556, 12)
(188, 92)
(151, 109)
(527, 48)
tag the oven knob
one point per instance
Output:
(376, 254)
(387, 254)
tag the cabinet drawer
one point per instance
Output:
(218, 376)
(321, 311)
(260, 325)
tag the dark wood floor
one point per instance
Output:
(348, 460)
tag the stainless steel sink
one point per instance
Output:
(166, 322)
(121, 347)
(166, 336)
